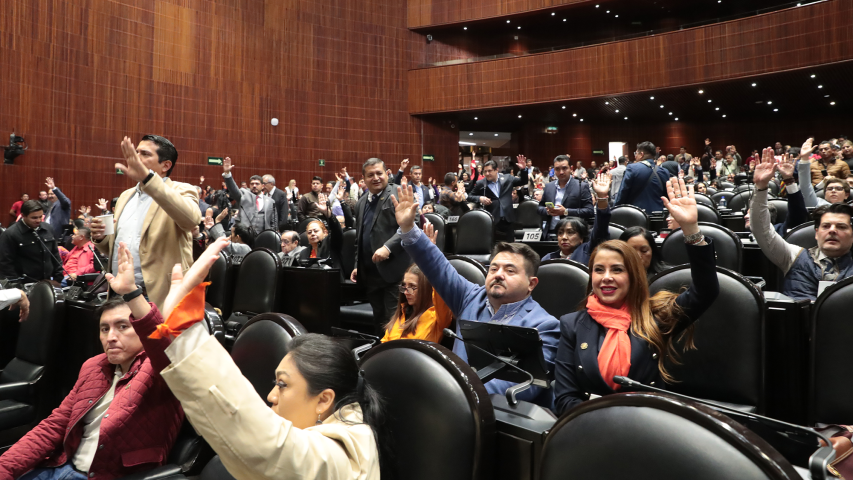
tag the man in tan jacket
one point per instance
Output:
(154, 218)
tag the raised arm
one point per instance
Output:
(797, 212)
(775, 248)
(234, 192)
(180, 202)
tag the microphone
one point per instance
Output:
(512, 391)
(95, 254)
(58, 262)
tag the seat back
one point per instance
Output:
(802, 236)
(300, 228)
(527, 216)
(220, 292)
(471, 270)
(710, 191)
(348, 252)
(831, 333)
(475, 233)
(699, 443)
(615, 231)
(725, 184)
(774, 188)
(629, 216)
(740, 201)
(723, 193)
(215, 470)
(728, 362)
(260, 346)
(703, 199)
(744, 187)
(269, 239)
(781, 205)
(440, 419)
(562, 286)
(440, 228)
(708, 213)
(257, 283)
(727, 245)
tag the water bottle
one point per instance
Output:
(722, 203)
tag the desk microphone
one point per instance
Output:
(59, 262)
(512, 391)
(95, 254)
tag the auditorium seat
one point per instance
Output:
(774, 188)
(261, 345)
(475, 233)
(527, 217)
(300, 228)
(725, 184)
(562, 286)
(629, 216)
(727, 246)
(470, 269)
(348, 252)
(710, 191)
(440, 418)
(703, 199)
(740, 201)
(708, 213)
(743, 187)
(648, 436)
(215, 470)
(220, 292)
(802, 236)
(717, 196)
(255, 289)
(728, 362)
(781, 205)
(27, 383)
(615, 231)
(441, 229)
(214, 323)
(832, 333)
(269, 239)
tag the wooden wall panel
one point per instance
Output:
(78, 75)
(427, 13)
(778, 41)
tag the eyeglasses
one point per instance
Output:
(285, 242)
(407, 289)
(834, 189)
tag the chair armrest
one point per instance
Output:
(18, 391)
(166, 472)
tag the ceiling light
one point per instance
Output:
(519, 116)
(754, 84)
(466, 143)
(564, 107)
(820, 86)
(574, 114)
(607, 103)
(608, 11)
(709, 101)
(676, 119)
(464, 28)
(519, 27)
(718, 108)
(596, 6)
(826, 96)
(553, 13)
(564, 19)
(724, 116)
(617, 110)
(661, 106)
(507, 21)
(701, 92)
(670, 113)
(651, 98)
(626, 118)
(814, 76)
(832, 103)
(581, 119)
(769, 102)
(496, 134)
(775, 109)
(475, 118)
(617, 16)
(470, 134)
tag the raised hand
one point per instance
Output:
(430, 182)
(226, 165)
(102, 204)
(405, 208)
(786, 167)
(209, 222)
(459, 195)
(49, 182)
(404, 164)
(321, 203)
(83, 210)
(765, 169)
(124, 282)
(601, 185)
(201, 180)
(182, 283)
(429, 230)
(522, 161)
(807, 149)
(222, 215)
(681, 204)
(134, 169)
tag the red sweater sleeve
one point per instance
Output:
(156, 349)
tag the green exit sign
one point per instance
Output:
(322, 163)
(214, 161)
(598, 152)
(429, 158)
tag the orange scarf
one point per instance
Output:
(615, 355)
(188, 311)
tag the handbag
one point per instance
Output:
(842, 466)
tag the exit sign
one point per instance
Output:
(214, 160)
(429, 158)
(322, 163)
(598, 152)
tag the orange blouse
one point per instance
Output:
(430, 326)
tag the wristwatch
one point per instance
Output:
(130, 296)
(149, 177)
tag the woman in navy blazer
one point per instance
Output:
(618, 289)
(572, 233)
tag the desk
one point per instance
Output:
(786, 334)
(80, 342)
(312, 296)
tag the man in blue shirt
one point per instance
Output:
(505, 298)
(567, 195)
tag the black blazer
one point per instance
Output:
(383, 231)
(282, 208)
(507, 183)
(576, 367)
(577, 200)
(330, 247)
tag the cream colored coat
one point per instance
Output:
(251, 440)
(166, 233)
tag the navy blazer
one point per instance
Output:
(577, 199)
(383, 231)
(60, 213)
(600, 233)
(507, 183)
(634, 190)
(576, 368)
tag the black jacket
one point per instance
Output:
(383, 231)
(331, 246)
(281, 206)
(22, 254)
(507, 183)
(576, 367)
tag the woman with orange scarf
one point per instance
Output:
(623, 332)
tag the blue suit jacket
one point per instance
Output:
(600, 233)
(634, 191)
(468, 301)
(577, 200)
(60, 213)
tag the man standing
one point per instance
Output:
(683, 156)
(28, 248)
(308, 203)
(202, 204)
(592, 171)
(380, 259)
(827, 164)
(155, 218)
(423, 192)
(644, 183)
(494, 192)
(59, 213)
(726, 168)
(279, 199)
(567, 195)
(617, 175)
(15, 212)
(255, 208)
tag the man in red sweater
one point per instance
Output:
(80, 260)
(120, 417)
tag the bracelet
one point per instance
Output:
(130, 296)
(694, 239)
(762, 189)
(602, 198)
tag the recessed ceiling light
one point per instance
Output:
(769, 102)
(553, 13)
(617, 110)
(617, 16)
(814, 76)
(832, 103)
(564, 19)
(607, 103)
(496, 134)
(709, 101)
(717, 108)
(676, 119)
(574, 114)
(661, 106)
(596, 6)
(581, 119)
(470, 134)
(724, 116)
(608, 11)
(826, 96)
(564, 107)
(651, 98)
(626, 118)
(464, 28)
(775, 109)
(475, 118)
(701, 92)
(754, 84)
(670, 113)
(820, 86)
(507, 21)
(519, 116)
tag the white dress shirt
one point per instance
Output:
(9, 296)
(129, 229)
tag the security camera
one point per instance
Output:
(14, 149)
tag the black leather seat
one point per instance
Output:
(562, 286)
(774, 188)
(441, 420)
(802, 235)
(255, 290)
(475, 234)
(728, 247)
(220, 292)
(728, 362)
(269, 239)
(470, 269)
(615, 231)
(27, 392)
(703, 199)
(724, 193)
(629, 216)
(831, 333)
(300, 228)
(441, 229)
(348, 252)
(215, 470)
(261, 345)
(527, 216)
(740, 202)
(657, 437)
(781, 205)
(725, 184)
(708, 214)
(744, 187)
(710, 191)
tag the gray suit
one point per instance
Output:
(246, 202)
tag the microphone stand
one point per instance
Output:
(58, 262)
(95, 254)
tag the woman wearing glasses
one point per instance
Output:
(421, 314)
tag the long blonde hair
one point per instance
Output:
(652, 319)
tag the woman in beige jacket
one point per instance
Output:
(324, 417)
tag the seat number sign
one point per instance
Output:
(532, 236)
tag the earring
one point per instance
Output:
(319, 422)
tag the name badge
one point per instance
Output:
(532, 236)
(452, 219)
(822, 285)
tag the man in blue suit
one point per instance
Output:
(494, 192)
(569, 196)
(644, 183)
(505, 298)
(59, 213)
